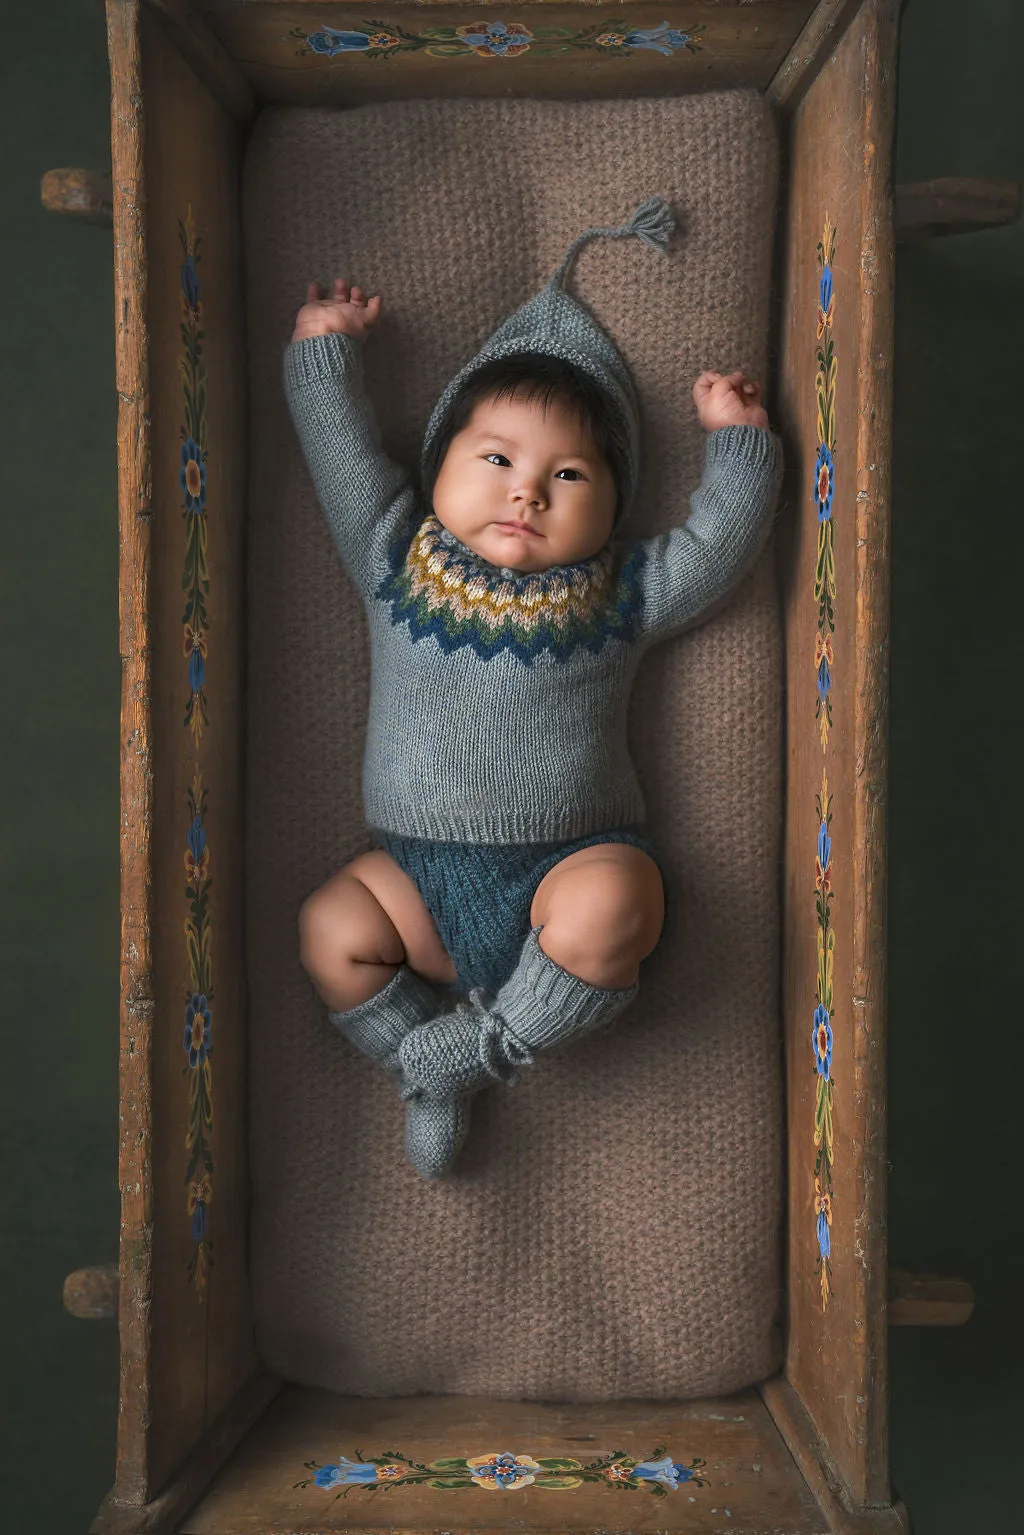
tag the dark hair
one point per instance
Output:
(530, 376)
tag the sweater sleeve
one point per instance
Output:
(365, 495)
(689, 569)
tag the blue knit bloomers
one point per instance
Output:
(480, 893)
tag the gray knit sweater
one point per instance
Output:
(498, 699)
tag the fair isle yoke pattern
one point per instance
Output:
(439, 587)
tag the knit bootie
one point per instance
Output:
(435, 1128)
(378, 1025)
(540, 1006)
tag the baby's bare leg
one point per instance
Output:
(361, 925)
(602, 911)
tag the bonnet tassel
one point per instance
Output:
(653, 222)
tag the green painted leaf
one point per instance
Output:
(449, 1483)
(450, 1463)
(565, 1464)
(558, 1482)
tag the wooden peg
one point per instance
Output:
(92, 1293)
(954, 205)
(927, 1300)
(86, 194)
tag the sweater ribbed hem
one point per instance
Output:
(753, 447)
(317, 357)
(500, 824)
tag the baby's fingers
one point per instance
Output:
(373, 308)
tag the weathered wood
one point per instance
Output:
(816, 1466)
(740, 43)
(928, 1300)
(92, 1293)
(86, 195)
(840, 149)
(207, 55)
(177, 1497)
(825, 26)
(186, 1339)
(752, 1482)
(135, 496)
(952, 205)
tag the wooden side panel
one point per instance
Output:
(836, 402)
(186, 1333)
(343, 53)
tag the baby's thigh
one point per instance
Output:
(401, 902)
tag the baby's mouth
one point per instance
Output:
(523, 528)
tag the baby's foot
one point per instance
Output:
(435, 1129)
(460, 1052)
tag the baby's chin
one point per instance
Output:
(524, 555)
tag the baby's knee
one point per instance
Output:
(608, 913)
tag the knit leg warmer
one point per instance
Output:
(540, 1006)
(435, 1128)
(378, 1025)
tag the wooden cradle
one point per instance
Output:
(807, 1451)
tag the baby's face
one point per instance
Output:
(523, 486)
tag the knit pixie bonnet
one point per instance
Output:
(556, 324)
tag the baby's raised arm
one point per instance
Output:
(365, 495)
(689, 569)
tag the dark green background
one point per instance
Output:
(955, 849)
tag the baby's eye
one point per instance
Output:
(573, 474)
(495, 457)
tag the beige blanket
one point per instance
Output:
(614, 1227)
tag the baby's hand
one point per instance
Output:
(345, 313)
(729, 401)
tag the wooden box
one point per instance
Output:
(208, 1440)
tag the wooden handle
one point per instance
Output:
(92, 1293)
(88, 195)
(954, 205)
(927, 1300)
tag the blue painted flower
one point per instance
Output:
(329, 41)
(668, 1472)
(197, 838)
(193, 476)
(198, 1029)
(190, 281)
(826, 288)
(196, 670)
(199, 1196)
(824, 483)
(824, 679)
(197, 1225)
(345, 1471)
(824, 845)
(495, 38)
(821, 1040)
(823, 1207)
(663, 39)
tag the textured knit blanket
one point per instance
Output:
(614, 1227)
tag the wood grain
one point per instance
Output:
(209, 58)
(753, 1484)
(928, 1300)
(134, 494)
(741, 44)
(840, 166)
(92, 1293)
(86, 195)
(951, 205)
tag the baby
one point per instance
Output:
(507, 617)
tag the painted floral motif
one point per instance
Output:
(192, 478)
(197, 1037)
(503, 1471)
(439, 587)
(494, 39)
(197, 1040)
(823, 493)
